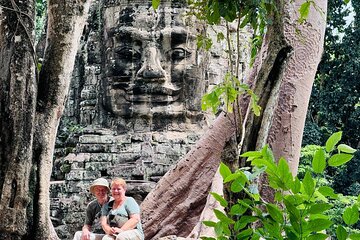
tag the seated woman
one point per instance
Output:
(120, 217)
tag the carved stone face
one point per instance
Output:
(152, 66)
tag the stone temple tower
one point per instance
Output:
(134, 107)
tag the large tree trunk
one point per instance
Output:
(62, 40)
(31, 109)
(17, 104)
(282, 77)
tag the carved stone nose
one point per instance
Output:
(151, 68)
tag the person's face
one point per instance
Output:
(100, 192)
(117, 191)
(151, 64)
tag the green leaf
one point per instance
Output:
(346, 149)
(284, 170)
(319, 161)
(275, 213)
(218, 229)
(252, 154)
(308, 183)
(278, 196)
(219, 37)
(210, 100)
(238, 175)
(273, 230)
(318, 225)
(318, 216)
(327, 192)
(255, 236)
(304, 11)
(155, 4)
(237, 185)
(355, 236)
(319, 208)
(292, 210)
(245, 233)
(339, 159)
(207, 238)
(208, 44)
(317, 236)
(213, 14)
(226, 229)
(296, 186)
(244, 221)
(239, 225)
(224, 170)
(332, 141)
(209, 223)
(341, 233)
(254, 106)
(222, 217)
(220, 199)
(351, 215)
(295, 225)
(238, 209)
(291, 235)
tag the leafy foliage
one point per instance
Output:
(257, 15)
(335, 97)
(299, 207)
(67, 129)
(40, 17)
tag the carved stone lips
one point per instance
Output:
(149, 92)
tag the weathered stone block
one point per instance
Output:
(101, 157)
(77, 165)
(92, 174)
(75, 217)
(56, 187)
(168, 149)
(93, 148)
(125, 171)
(97, 166)
(123, 139)
(77, 186)
(80, 157)
(96, 139)
(75, 175)
(128, 148)
(125, 158)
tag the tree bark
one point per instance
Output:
(17, 103)
(31, 109)
(178, 199)
(282, 77)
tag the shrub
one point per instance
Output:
(298, 210)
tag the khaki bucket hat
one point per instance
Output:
(99, 182)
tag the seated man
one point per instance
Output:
(92, 228)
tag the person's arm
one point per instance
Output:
(105, 226)
(89, 219)
(86, 232)
(103, 220)
(130, 224)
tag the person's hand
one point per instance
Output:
(85, 234)
(108, 230)
(117, 230)
(114, 231)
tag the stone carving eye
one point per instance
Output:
(178, 54)
(128, 54)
